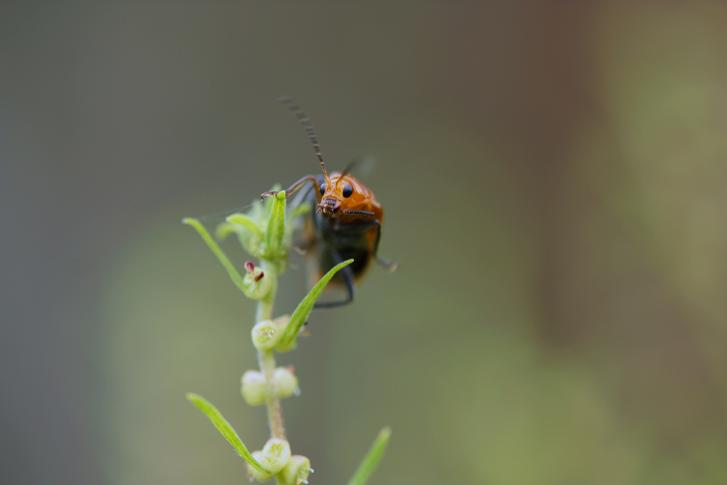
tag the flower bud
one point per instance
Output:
(297, 470)
(255, 284)
(275, 455)
(267, 334)
(254, 388)
(285, 383)
(254, 473)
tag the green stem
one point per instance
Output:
(266, 358)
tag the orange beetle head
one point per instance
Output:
(342, 193)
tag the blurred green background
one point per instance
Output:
(553, 177)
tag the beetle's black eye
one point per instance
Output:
(323, 188)
(347, 190)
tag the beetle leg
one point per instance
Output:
(384, 263)
(347, 276)
(390, 266)
(296, 186)
(359, 213)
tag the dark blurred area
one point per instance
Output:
(553, 176)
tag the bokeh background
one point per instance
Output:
(554, 182)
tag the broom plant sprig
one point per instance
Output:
(265, 232)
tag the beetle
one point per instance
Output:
(345, 220)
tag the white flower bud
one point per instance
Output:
(285, 383)
(275, 455)
(256, 474)
(266, 334)
(254, 388)
(297, 470)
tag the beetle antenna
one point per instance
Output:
(309, 130)
(345, 172)
(351, 165)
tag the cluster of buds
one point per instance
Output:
(262, 231)
(276, 459)
(256, 391)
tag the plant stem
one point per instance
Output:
(266, 358)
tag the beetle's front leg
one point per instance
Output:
(296, 186)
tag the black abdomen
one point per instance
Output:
(340, 242)
(332, 256)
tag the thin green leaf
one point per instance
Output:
(217, 250)
(372, 458)
(225, 229)
(301, 313)
(276, 225)
(225, 429)
(246, 222)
